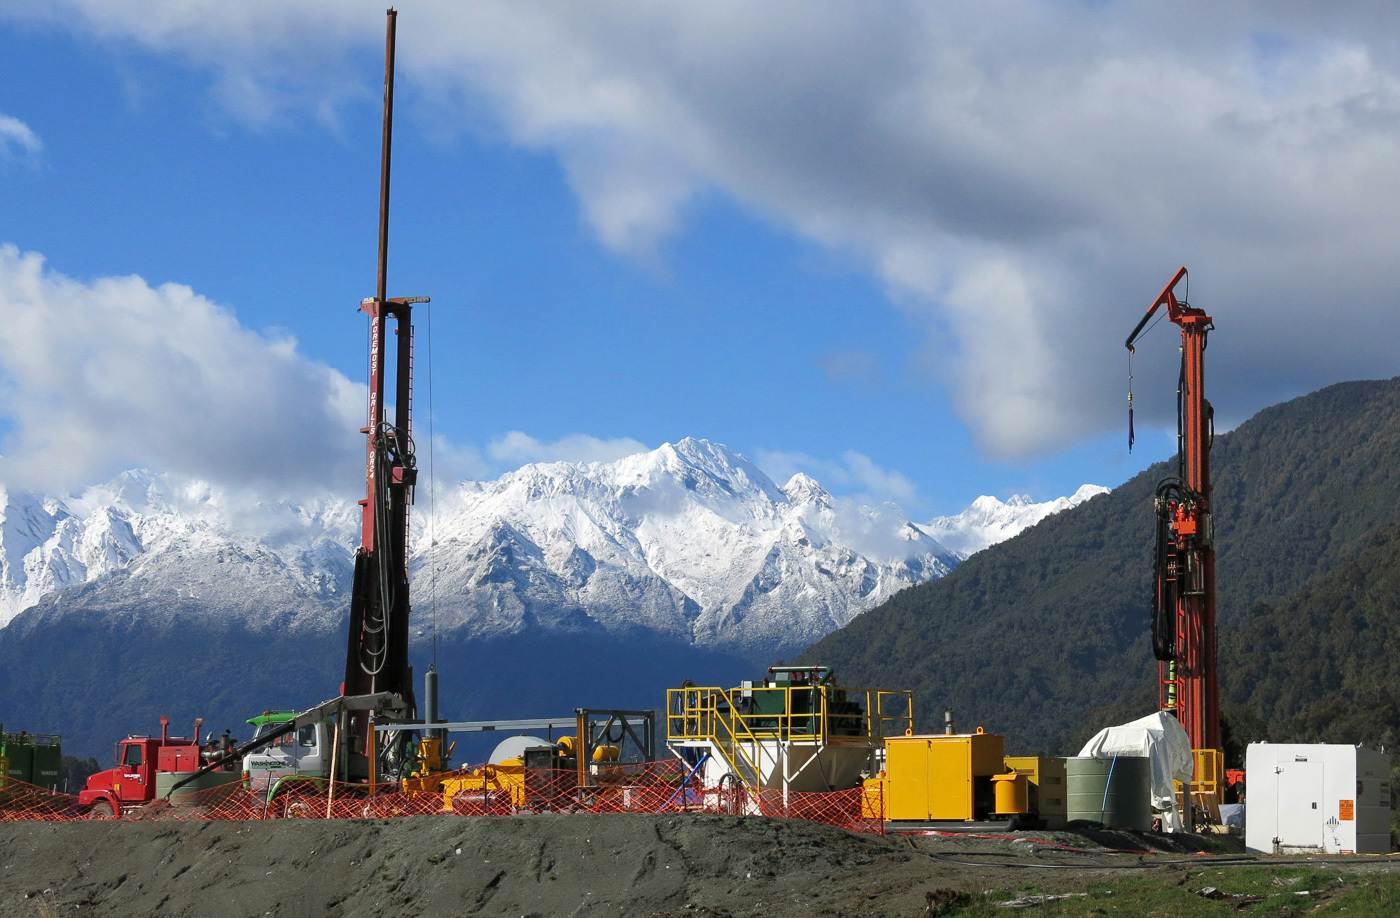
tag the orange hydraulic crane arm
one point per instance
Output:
(1166, 298)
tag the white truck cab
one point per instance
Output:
(302, 754)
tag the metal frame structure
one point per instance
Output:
(1183, 622)
(593, 727)
(779, 743)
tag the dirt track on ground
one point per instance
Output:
(549, 865)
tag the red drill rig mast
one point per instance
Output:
(1183, 595)
(377, 653)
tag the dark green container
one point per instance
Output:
(20, 756)
(33, 758)
(1115, 791)
(48, 758)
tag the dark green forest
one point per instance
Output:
(1044, 637)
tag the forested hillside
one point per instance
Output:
(1044, 637)
(1321, 665)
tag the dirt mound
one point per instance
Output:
(534, 865)
(545, 866)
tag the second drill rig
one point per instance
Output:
(1183, 594)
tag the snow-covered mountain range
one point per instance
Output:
(989, 521)
(690, 542)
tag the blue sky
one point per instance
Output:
(890, 250)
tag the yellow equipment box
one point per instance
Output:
(941, 777)
(1046, 775)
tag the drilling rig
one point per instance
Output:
(1183, 590)
(377, 651)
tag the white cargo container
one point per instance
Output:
(1316, 798)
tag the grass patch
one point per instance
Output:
(1276, 892)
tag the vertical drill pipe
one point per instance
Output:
(366, 589)
(1201, 676)
(386, 144)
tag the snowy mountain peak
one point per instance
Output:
(988, 520)
(704, 466)
(1084, 493)
(690, 541)
(803, 489)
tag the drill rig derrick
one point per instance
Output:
(1183, 613)
(377, 651)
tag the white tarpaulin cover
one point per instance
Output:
(1161, 738)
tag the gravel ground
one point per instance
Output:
(549, 865)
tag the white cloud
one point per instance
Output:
(103, 376)
(516, 449)
(1022, 206)
(16, 137)
(100, 377)
(854, 474)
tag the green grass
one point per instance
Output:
(1173, 894)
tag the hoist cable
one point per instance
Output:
(432, 499)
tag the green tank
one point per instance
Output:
(34, 758)
(20, 757)
(45, 769)
(200, 790)
(1115, 791)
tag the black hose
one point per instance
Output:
(1164, 579)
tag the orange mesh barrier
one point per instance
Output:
(656, 787)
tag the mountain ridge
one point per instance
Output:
(1044, 636)
(560, 586)
(690, 540)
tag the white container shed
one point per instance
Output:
(1316, 798)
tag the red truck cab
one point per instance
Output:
(133, 782)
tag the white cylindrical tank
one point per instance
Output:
(1316, 798)
(513, 747)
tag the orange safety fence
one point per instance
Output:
(486, 790)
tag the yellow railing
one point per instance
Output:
(824, 713)
(705, 713)
(1202, 798)
(1209, 773)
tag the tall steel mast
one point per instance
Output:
(1183, 618)
(377, 651)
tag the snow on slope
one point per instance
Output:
(690, 542)
(989, 521)
(180, 535)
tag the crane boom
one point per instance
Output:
(1183, 617)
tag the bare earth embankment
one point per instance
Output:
(551, 865)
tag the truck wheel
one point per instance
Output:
(101, 810)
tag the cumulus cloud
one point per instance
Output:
(516, 449)
(104, 376)
(17, 139)
(1021, 205)
(97, 378)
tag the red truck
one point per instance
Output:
(132, 783)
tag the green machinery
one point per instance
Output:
(31, 758)
(809, 696)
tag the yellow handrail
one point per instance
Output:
(788, 712)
